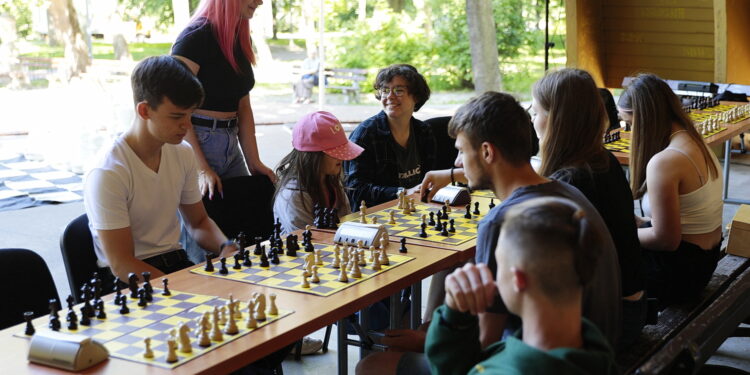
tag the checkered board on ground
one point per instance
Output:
(410, 226)
(123, 335)
(288, 273)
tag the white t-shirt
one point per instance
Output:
(121, 191)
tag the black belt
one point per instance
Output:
(167, 260)
(213, 123)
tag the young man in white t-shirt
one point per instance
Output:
(133, 193)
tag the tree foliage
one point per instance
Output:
(20, 11)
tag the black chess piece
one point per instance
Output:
(423, 233)
(133, 284)
(165, 290)
(309, 247)
(241, 240)
(223, 269)
(257, 249)
(237, 265)
(54, 318)
(124, 307)
(248, 262)
(209, 264)
(72, 321)
(452, 229)
(333, 218)
(476, 208)
(70, 301)
(439, 225)
(86, 320)
(492, 203)
(444, 231)
(432, 218)
(467, 215)
(402, 249)
(147, 282)
(28, 316)
(445, 212)
(86, 309)
(277, 227)
(100, 314)
(275, 258)
(118, 293)
(264, 260)
(96, 287)
(291, 246)
(142, 302)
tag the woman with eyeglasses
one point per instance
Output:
(677, 177)
(399, 149)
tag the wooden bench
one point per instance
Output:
(688, 334)
(347, 80)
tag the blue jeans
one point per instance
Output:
(221, 149)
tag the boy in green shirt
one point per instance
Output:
(544, 259)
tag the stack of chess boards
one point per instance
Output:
(125, 334)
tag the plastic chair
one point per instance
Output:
(26, 285)
(446, 151)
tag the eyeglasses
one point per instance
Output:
(398, 91)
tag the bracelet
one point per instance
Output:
(225, 244)
(453, 182)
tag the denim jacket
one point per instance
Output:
(373, 176)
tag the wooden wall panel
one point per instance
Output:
(738, 42)
(674, 39)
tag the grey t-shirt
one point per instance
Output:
(407, 159)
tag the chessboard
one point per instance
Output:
(409, 226)
(123, 334)
(288, 273)
(483, 194)
(623, 144)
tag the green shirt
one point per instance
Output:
(453, 347)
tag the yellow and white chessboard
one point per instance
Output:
(123, 334)
(288, 273)
(409, 226)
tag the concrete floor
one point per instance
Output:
(39, 228)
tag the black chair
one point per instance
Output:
(611, 108)
(247, 206)
(26, 285)
(446, 151)
(78, 254)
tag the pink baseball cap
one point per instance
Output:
(322, 131)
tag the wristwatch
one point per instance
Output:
(227, 243)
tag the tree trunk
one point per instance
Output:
(425, 12)
(484, 59)
(397, 5)
(262, 28)
(310, 10)
(64, 18)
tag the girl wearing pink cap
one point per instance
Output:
(311, 173)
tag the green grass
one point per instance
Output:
(105, 51)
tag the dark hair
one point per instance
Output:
(552, 239)
(496, 118)
(416, 84)
(576, 121)
(304, 166)
(157, 77)
(655, 108)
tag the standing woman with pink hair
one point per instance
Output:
(216, 45)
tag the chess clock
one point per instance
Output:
(369, 234)
(66, 351)
(455, 195)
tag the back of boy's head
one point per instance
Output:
(157, 77)
(499, 119)
(551, 240)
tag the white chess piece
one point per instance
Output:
(184, 338)
(260, 309)
(272, 309)
(171, 350)
(216, 334)
(250, 322)
(148, 353)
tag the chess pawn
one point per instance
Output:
(374, 220)
(260, 306)
(216, 334)
(384, 258)
(383, 242)
(372, 254)
(342, 273)
(171, 350)
(318, 258)
(392, 215)
(231, 327)
(315, 279)
(362, 217)
(251, 322)
(272, 308)
(447, 206)
(356, 272)
(360, 244)
(305, 284)
(363, 208)
(148, 353)
(203, 339)
(376, 264)
(361, 258)
(336, 261)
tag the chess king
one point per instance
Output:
(147, 175)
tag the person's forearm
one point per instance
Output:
(208, 235)
(452, 343)
(491, 327)
(248, 142)
(123, 267)
(650, 240)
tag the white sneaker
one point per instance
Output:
(311, 345)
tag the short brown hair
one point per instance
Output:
(499, 119)
(416, 84)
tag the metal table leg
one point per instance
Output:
(416, 305)
(342, 348)
(727, 162)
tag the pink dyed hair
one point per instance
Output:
(228, 26)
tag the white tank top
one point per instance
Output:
(701, 209)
